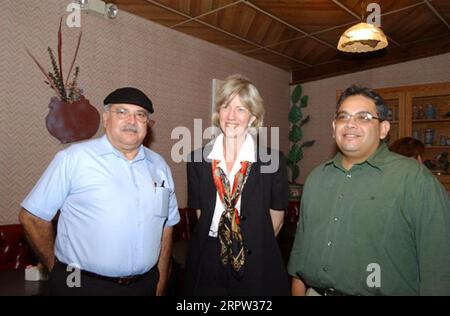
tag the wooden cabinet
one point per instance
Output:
(423, 112)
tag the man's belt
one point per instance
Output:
(119, 280)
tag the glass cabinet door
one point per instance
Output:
(423, 112)
(395, 103)
(430, 123)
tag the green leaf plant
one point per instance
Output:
(298, 102)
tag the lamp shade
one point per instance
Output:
(361, 38)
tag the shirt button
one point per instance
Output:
(341, 196)
(243, 218)
(329, 243)
(335, 219)
(349, 176)
(325, 269)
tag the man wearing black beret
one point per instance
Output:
(117, 208)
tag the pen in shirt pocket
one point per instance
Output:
(155, 184)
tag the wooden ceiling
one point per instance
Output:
(300, 36)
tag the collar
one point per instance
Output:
(376, 160)
(105, 148)
(246, 153)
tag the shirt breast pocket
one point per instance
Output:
(162, 202)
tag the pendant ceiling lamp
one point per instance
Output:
(362, 37)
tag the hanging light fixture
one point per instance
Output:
(362, 37)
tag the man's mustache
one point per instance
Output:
(129, 128)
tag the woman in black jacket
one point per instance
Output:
(240, 200)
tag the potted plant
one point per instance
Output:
(71, 117)
(298, 102)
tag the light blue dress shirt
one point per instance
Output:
(113, 210)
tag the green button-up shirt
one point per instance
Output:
(380, 228)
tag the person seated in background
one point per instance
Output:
(408, 147)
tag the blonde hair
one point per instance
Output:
(248, 95)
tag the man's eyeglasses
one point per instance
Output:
(360, 117)
(123, 114)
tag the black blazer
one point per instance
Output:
(265, 271)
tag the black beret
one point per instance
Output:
(129, 95)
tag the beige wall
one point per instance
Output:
(175, 70)
(322, 99)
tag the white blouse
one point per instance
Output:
(246, 153)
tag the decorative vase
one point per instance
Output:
(71, 122)
(429, 137)
(430, 112)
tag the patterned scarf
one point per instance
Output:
(229, 232)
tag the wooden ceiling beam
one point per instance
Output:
(360, 62)
(436, 13)
(220, 30)
(292, 51)
(255, 7)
